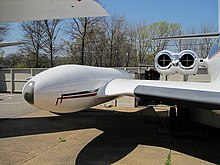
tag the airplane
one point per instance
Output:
(6, 44)
(71, 88)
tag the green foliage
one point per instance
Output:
(162, 29)
(61, 140)
(145, 48)
(108, 42)
(150, 59)
(168, 161)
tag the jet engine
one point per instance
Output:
(184, 63)
(163, 62)
(188, 62)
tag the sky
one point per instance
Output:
(186, 12)
(189, 13)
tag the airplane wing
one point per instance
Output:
(26, 10)
(191, 36)
(203, 95)
(6, 44)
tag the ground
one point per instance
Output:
(99, 136)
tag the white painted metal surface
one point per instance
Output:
(70, 88)
(26, 10)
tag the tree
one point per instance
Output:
(96, 47)
(141, 42)
(201, 46)
(13, 60)
(4, 28)
(78, 30)
(145, 48)
(116, 36)
(34, 37)
(40, 38)
(50, 47)
(162, 29)
(206, 43)
(190, 44)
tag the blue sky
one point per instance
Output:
(189, 13)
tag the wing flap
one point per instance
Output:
(177, 96)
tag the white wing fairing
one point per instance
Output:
(186, 62)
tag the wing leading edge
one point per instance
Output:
(203, 95)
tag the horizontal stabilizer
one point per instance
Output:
(27, 10)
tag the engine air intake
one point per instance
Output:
(187, 60)
(163, 60)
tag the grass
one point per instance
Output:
(168, 161)
(62, 139)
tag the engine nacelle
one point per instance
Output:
(163, 62)
(188, 62)
(185, 63)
